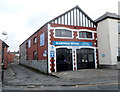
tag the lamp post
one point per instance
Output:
(3, 46)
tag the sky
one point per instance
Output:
(21, 18)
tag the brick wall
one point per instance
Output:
(11, 57)
(41, 63)
(5, 58)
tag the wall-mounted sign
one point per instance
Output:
(42, 39)
(52, 54)
(70, 43)
(103, 55)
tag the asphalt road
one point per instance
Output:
(23, 78)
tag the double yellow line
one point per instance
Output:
(97, 84)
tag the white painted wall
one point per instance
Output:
(113, 33)
(119, 27)
(107, 32)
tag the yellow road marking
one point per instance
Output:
(97, 84)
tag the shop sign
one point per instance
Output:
(71, 43)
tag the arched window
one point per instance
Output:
(35, 55)
(85, 34)
(63, 33)
(35, 40)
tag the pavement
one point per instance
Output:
(90, 76)
(19, 76)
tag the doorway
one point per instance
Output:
(85, 58)
(63, 59)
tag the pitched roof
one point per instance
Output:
(76, 17)
(108, 15)
(5, 44)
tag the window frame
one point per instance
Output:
(29, 43)
(42, 39)
(118, 51)
(86, 30)
(34, 41)
(26, 44)
(63, 29)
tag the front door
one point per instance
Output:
(85, 58)
(63, 59)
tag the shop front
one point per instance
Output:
(71, 55)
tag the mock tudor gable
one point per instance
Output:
(75, 17)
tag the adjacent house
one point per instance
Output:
(5, 54)
(13, 56)
(119, 32)
(107, 33)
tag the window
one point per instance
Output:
(42, 39)
(119, 28)
(35, 40)
(118, 51)
(29, 44)
(84, 34)
(35, 55)
(63, 33)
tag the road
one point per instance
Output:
(29, 79)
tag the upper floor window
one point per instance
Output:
(35, 40)
(42, 39)
(84, 34)
(63, 33)
(29, 44)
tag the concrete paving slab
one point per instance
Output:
(87, 73)
(9, 72)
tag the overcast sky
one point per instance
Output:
(21, 18)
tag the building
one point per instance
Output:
(67, 42)
(0, 54)
(73, 41)
(13, 56)
(119, 31)
(107, 33)
(5, 54)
